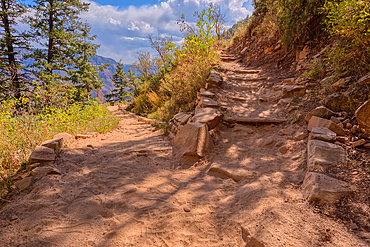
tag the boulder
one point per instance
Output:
(342, 83)
(207, 102)
(325, 123)
(293, 90)
(322, 154)
(193, 140)
(337, 102)
(364, 80)
(215, 78)
(207, 93)
(363, 116)
(55, 144)
(24, 183)
(66, 137)
(44, 170)
(41, 155)
(237, 174)
(208, 116)
(182, 118)
(320, 187)
(323, 134)
(321, 112)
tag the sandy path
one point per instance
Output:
(126, 188)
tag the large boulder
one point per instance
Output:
(325, 123)
(42, 155)
(320, 111)
(363, 116)
(338, 102)
(193, 140)
(320, 187)
(208, 116)
(322, 155)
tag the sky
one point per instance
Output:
(123, 26)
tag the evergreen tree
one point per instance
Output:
(57, 22)
(82, 73)
(126, 85)
(10, 40)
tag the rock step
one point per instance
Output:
(254, 120)
(247, 79)
(240, 88)
(227, 59)
(237, 174)
(244, 71)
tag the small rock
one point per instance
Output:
(215, 78)
(320, 187)
(358, 143)
(367, 145)
(279, 144)
(336, 120)
(187, 209)
(342, 83)
(321, 122)
(24, 183)
(90, 146)
(349, 126)
(284, 102)
(79, 136)
(13, 218)
(364, 80)
(288, 131)
(224, 171)
(66, 137)
(363, 116)
(322, 155)
(43, 171)
(342, 139)
(289, 81)
(352, 226)
(321, 112)
(283, 149)
(337, 102)
(34, 165)
(300, 136)
(207, 94)
(323, 134)
(55, 144)
(41, 155)
(207, 102)
(289, 91)
(182, 118)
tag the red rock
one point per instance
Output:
(342, 139)
(358, 143)
(321, 122)
(348, 126)
(367, 145)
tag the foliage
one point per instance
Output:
(126, 85)
(20, 132)
(300, 20)
(170, 81)
(350, 21)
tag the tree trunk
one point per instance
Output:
(51, 37)
(15, 83)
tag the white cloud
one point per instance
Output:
(124, 31)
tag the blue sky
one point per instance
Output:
(122, 27)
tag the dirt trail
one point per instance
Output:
(126, 188)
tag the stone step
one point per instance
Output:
(245, 71)
(240, 88)
(247, 79)
(249, 120)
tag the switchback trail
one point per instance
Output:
(129, 188)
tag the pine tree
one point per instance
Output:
(126, 85)
(10, 39)
(57, 22)
(82, 73)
